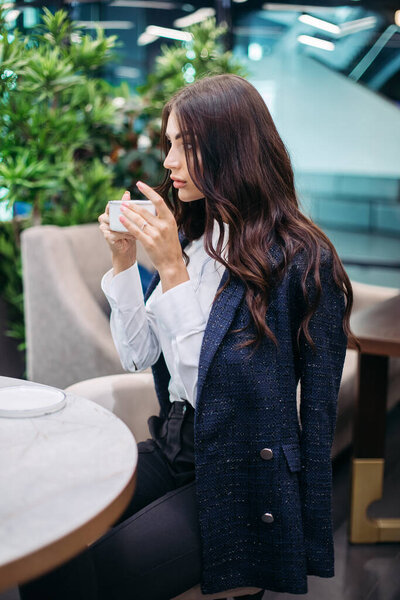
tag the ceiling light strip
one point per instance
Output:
(196, 17)
(297, 7)
(309, 40)
(173, 34)
(319, 24)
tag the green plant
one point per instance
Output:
(70, 141)
(57, 118)
(11, 280)
(182, 63)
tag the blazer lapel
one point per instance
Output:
(221, 316)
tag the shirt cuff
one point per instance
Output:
(124, 289)
(178, 310)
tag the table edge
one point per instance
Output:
(56, 553)
(371, 345)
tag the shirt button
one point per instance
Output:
(267, 518)
(266, 453)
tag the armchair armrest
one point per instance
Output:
(67, 332)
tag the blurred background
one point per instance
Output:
(82, 85)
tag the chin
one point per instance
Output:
(187, 197)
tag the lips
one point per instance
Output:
(178, 183)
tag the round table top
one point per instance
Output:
(65, 478)
(377, 328)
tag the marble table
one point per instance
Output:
(65, 478)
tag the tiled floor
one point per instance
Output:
(363, 572)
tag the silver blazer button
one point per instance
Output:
(266, 453)
(267, 518)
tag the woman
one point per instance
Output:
(234, 485)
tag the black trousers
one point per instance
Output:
(153, 552)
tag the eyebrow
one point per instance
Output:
(177, 137)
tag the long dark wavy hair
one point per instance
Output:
(246, 176)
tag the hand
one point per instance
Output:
(158, 235)
(122, 245)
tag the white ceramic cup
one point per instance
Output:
(114, 207)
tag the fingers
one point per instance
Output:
(113, 236)
(115, 239)
(145, 215)
(104, 218)
(125, 196)
(161, 208)
(134, 223)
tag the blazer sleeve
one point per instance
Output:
(320, 373)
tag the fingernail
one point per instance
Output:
(139, 183)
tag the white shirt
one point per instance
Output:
(172, 322)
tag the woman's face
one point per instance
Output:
(175, 161)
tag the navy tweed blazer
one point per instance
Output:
(248, 403)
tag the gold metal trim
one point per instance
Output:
(367, 486)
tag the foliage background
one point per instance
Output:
(71, 141)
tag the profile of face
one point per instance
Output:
(176, 162)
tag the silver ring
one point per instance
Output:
(143, 226)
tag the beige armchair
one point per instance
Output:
(66, 313)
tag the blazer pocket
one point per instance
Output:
(292, 455)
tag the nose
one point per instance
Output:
(171, 160)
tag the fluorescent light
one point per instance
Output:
(342, 30)
(296, 7)
(146, 38)
(106, 24)
(254, 51)
(125, 72)
(357, 25)
(308, 40)
(166, 32)
(319, 24)
(397, 18)
(197, 17)
(12, 15)
(239, 1)
(145, 4)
